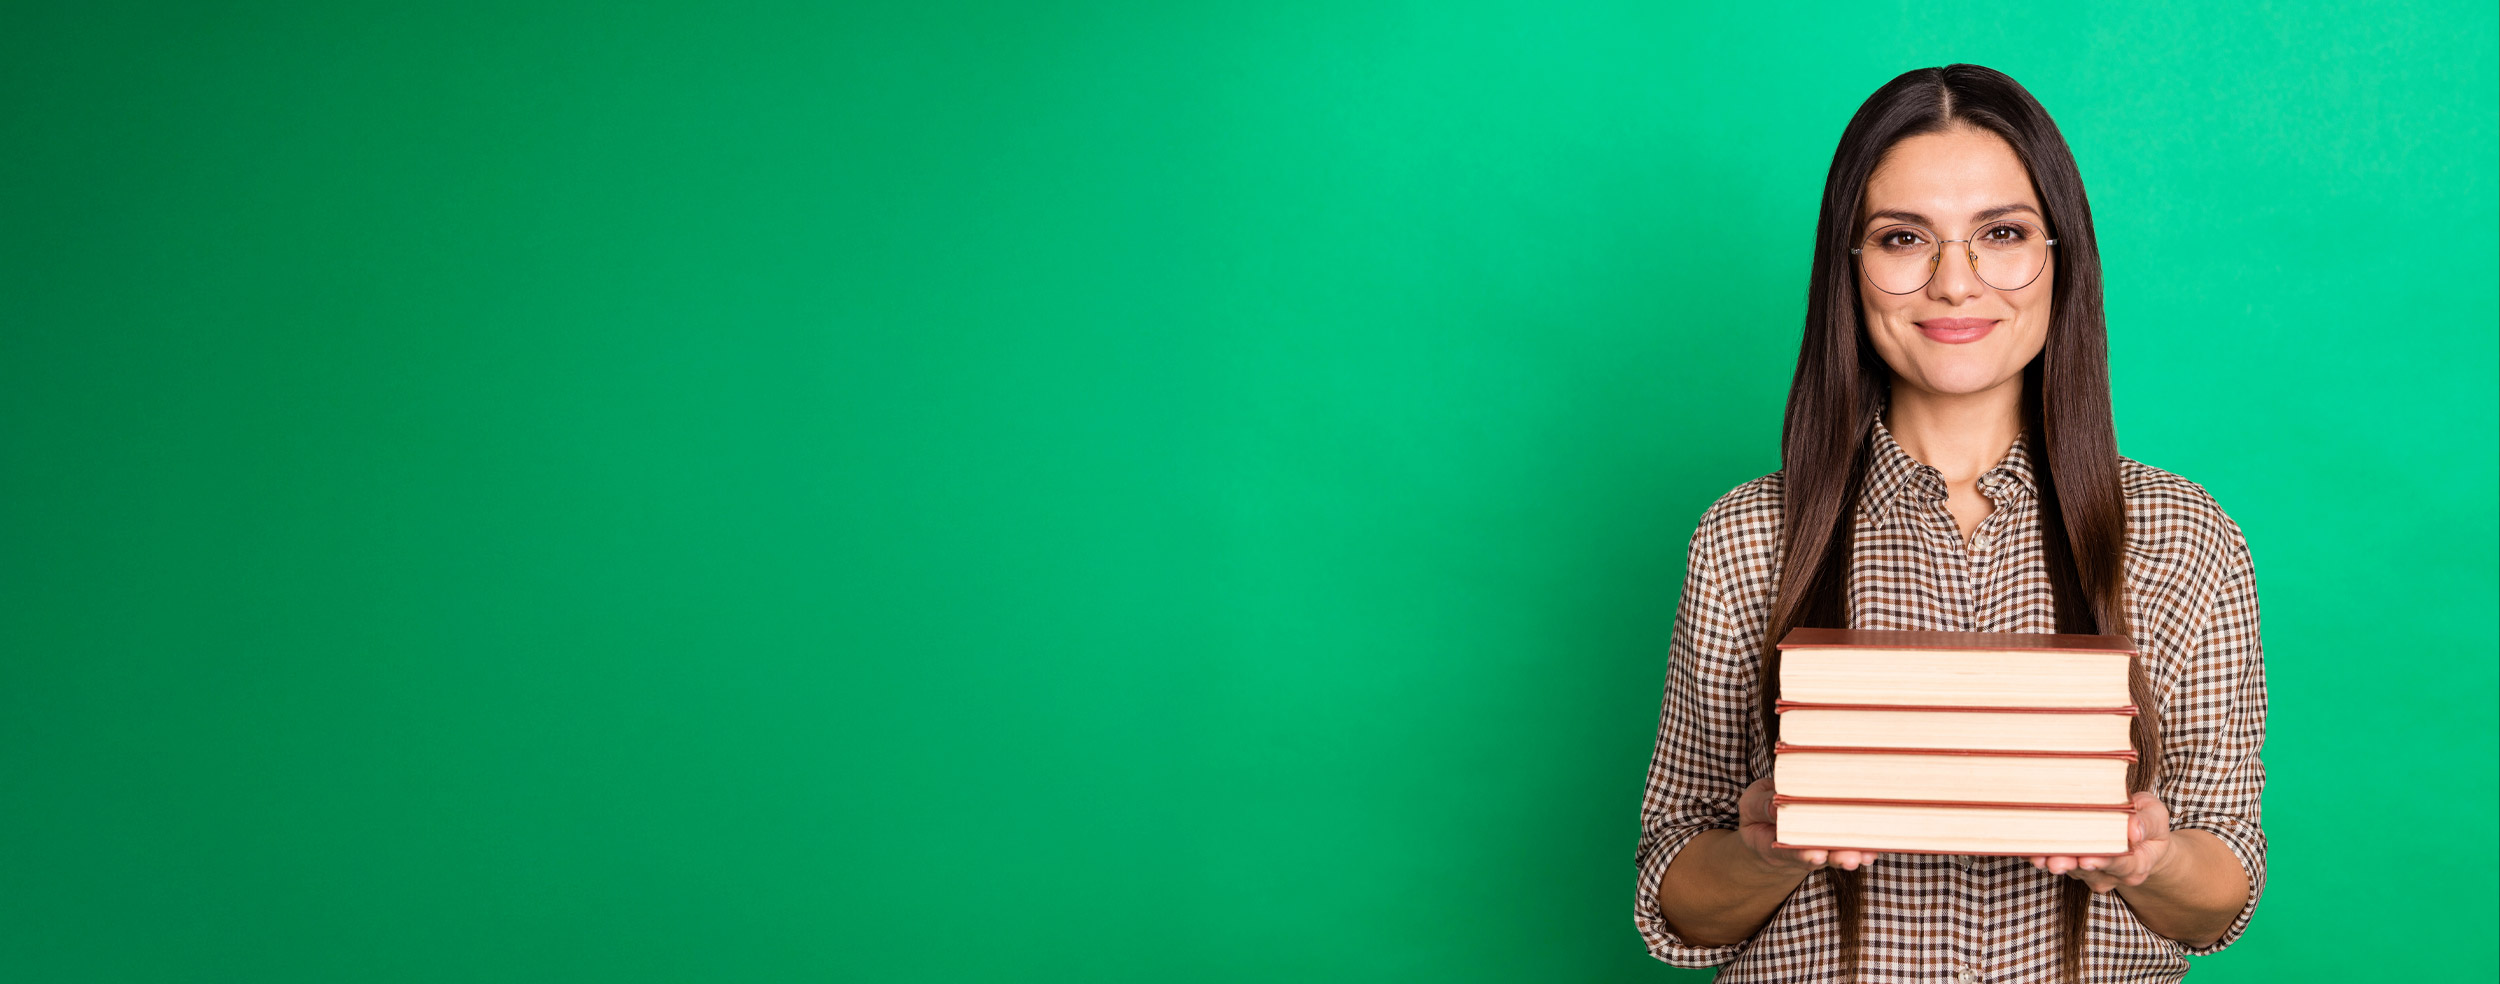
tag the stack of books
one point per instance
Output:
(1953, 742)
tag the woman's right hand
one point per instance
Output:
(1753, 826)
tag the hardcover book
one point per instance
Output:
(1953, 742)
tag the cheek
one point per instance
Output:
(1871, 321)
(2036, 308)
(1882, 315)
(1883, 332)
(2041, 295)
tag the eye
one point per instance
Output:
(2007, 233)
(1900, 237)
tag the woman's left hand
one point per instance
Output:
(2148, 848)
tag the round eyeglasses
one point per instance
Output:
(2007, 254)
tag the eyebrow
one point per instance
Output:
(1982, 215)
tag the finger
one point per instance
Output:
(2114, 871)
(1816, 858)
(2094, 880)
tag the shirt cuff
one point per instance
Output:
(1663, 942)
(2248, 846)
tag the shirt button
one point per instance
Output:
(1966, 976)
(1979, 542)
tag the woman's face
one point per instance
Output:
(1957, 335)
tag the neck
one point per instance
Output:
(1958, 435)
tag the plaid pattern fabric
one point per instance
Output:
(2192, 597)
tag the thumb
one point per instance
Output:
(1754, 805)
(2152, 819)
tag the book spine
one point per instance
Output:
(1816, 638)
(1784, 748)
(1786, 706)
(1905, 850)
(1778, 799)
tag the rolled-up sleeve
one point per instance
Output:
(1700, 765)
(2214, 725)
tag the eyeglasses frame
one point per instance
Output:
(1936, 260)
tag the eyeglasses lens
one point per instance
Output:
(2007, 254)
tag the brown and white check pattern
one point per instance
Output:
(2192, 596)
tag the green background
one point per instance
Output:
(936, 491)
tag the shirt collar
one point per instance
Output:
(1894, 478)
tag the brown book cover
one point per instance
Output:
(1899, 639)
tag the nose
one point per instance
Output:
(1957, 272)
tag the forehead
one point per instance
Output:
(1949, 175)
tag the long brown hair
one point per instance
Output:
(1841, 385)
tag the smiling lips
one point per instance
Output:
(1956, 331)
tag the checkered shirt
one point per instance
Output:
(2192, 598)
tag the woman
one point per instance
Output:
(1948, 462)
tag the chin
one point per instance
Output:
(1966, 380)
